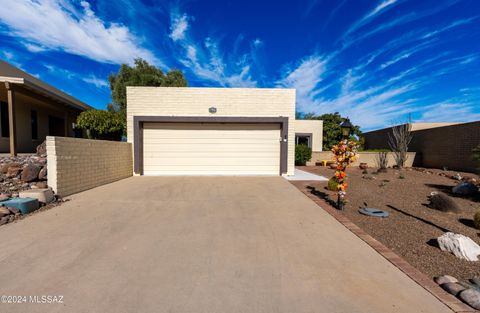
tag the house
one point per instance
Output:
(215, 131)
(437, 145)
(31, 109)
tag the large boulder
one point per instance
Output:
(442, 202)
(42, 175)
(471, 297)
(453, 288)
(445, 279)
(42, 148)
(465, 189)
(30, 172)
(461, 246)
(4, 211)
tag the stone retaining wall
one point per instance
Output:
(364, 157)
(76, 164)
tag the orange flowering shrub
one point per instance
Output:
(344, 153)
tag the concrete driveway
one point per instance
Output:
(205, 244)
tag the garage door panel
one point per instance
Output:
(211, 149)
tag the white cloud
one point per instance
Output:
(179, 27)
(89, 79)
(206, 60)
(305, 78)
(58, 25)
(98, 82)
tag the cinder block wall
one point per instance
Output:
(75, 164)
(448, 146)
(190, 101)
(363, 157)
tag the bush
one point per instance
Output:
(303, 154)
(476, 220)
(382, 160)
(332, 184)
(101, 124)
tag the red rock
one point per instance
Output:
(30, 173)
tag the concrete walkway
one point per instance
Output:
(302, 175)
(204, 244)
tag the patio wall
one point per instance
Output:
(364, 157)
(447, 146)
(75, 164)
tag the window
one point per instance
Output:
(34, 117)
(303, 139)
(5, 125)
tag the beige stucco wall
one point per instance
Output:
(315, 127)
(189, 101)
(23, 107)
(75, 164)
(364, 157)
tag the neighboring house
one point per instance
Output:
(215, 131)
(437, 145)
(31, 109)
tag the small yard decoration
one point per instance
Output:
(344, 153)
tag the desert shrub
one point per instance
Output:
(399, 140)
(476, 220)
(332, 184)
(442, 202)
(382, 160)
(303, 154)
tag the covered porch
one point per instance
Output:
(30, 110)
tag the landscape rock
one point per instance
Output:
(43, 173)
(442, 202)
(4, 220)
(471, 297)
(5, 167)
(476, 281)
(30, 172)
(13, 171)
(42, 148)
(453, 288)
(465, 189)
(461, 246)
(445, 279)
(39, 185)
(4, 211)
(457, 176)
(42, 195)
(4, 196)
(13, 210)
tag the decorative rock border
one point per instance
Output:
(421, 279)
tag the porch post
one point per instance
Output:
(12, 120)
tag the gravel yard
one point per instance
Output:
(412, 227)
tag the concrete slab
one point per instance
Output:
(199, 244)
(302, 175)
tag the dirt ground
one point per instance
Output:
(412, 227)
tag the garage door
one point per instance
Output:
(211, 149)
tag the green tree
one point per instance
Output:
(100, 124)
(331, 128)
(141, 74)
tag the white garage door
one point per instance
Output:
(211, 149)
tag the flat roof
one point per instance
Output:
(14, 75)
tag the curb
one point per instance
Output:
(420, 278)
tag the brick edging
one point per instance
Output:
(420, 278)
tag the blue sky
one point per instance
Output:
(375, 61)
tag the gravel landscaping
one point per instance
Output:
(412, 227)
